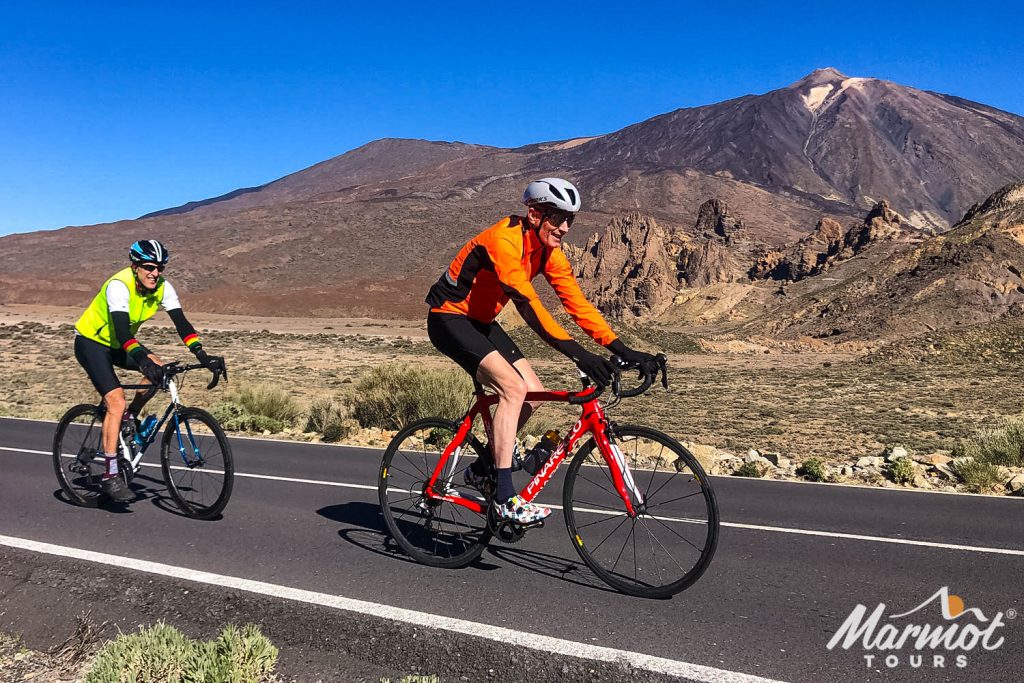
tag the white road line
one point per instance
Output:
(876, 539)
(750, 480)
(271, 477)
(557, 646)
(734, 525)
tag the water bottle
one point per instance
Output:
(539, 454)
(517, 457)
(128, 426)
(145, 429)
(129, 435)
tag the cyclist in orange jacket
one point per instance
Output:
(493, 268)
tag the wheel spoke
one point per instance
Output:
(660, 555)
(197, 464)
(445, 534)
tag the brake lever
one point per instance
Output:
(216, 379)
(663, 366)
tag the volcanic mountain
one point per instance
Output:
(368, 231)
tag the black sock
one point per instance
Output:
(479, 467)
(506, 489)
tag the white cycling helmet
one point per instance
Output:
(554, 192)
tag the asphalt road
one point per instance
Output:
(793, 561)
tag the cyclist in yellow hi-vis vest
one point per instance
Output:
(105, 337)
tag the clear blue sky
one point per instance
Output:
(110, 110)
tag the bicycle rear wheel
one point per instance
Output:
(195, 457)
(432, 532)
(78, 454)
(670, 542)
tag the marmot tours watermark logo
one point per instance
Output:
(944, 633)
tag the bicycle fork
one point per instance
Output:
(198, 460)
(622, 477)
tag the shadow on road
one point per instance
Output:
(548, 565)
(373, 536)
(145, 488)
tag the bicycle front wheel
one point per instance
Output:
(670, 541)
(78, 454)
(432, 532)
(195, 457)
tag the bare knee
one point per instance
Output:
(115, 402)
(512, 391)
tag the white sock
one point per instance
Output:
(111, 466)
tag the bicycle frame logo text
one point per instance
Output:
(960, 630)
(542, 476)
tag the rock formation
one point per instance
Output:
(628, 269)
(828, 245)
(712, 257)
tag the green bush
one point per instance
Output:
(269, 401)
(812, 469)
(1000, 446)
(977, 475)
(234, 418)
(162, 654)
(336, 431)
(322, 412)
(900, 470)
(257, 408)
(393, 395)
(749, 469)
(329, 418)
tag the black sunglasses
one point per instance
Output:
(150, 267)
(559, 217)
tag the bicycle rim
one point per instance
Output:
(671, 541)
(195, 457)
(432, 532)
(77, 455)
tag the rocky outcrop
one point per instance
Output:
(711, 257)
(881, 224)
(714, 220)
(1004, 205)
(628, 270)
(967, 276)
(634, 268)
(827, 245)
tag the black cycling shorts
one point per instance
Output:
(99, 361)
(467, 341)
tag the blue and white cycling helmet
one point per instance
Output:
(148, 251)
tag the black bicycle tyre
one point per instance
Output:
(619, 581)
(60, 463)
(167, 448)
(390, 471)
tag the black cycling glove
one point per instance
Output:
(634, 358)
(153, 372)
(211, 363)
(598, 368)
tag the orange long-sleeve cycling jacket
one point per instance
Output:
(498, 265)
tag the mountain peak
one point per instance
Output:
(819, 77)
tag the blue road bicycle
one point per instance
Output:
(195, 455)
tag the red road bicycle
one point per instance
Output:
(638, 506)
